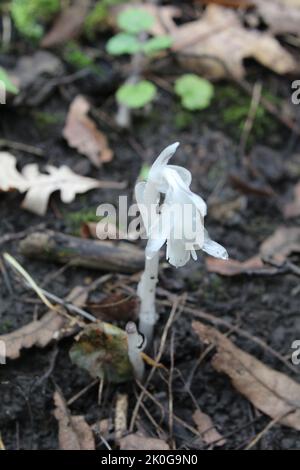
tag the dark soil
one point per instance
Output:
(267, 307)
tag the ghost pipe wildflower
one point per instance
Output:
(171, 213)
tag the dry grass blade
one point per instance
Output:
(14, 263)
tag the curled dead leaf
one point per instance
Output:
(283, 242)
(74, 433)
(275, 249)
(233, 267)
(81, 133)
(292, 209)
(270, 391)
(68, 24)
(139, 442)
(116, 306)
(40, 333)
(205, 426)
(219, 37)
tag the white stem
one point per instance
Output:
(146, 292)
(135, 347)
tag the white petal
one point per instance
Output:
(139, 191)
(177, 255)
(164, 157)
(213, 248)
(184, 174)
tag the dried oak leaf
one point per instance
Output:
(270, 391)
(139, 442)
(205, 426)
(39, 186)
(219, 37)
(81, 133)
(291, 209)
(10, 178)
(68, 25)
(282, 16)
(41, 332)
(73, 431)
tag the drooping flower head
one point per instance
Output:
(172, 213)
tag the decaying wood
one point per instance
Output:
(102, 255)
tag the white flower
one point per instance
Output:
(179, 218)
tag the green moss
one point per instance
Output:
(76, 219)
(44, 119)
(183, 119)
(74, 55)
(6, 326)
(234, 108)
(30, 15)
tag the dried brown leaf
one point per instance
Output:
(68, 25)
(270, 391)
(220, 34)
(81, 133)
(41, 332)
(292, 209)
(116, 306)
(205, 426)
(40, 186)
(139, 442)
(283, 242)
(233, 267)
(10, 178)
(73, 431)
(281, 16)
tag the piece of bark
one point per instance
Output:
(102, 255)
(41, 332)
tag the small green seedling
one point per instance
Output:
(136, 95)
(135, 24)
(8, 84)
(195, 92)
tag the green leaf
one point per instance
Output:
(102, 351)
(195, 92)
(134, 20)
(8, 84)
(123, 43)
(136, 95)
(157, 44)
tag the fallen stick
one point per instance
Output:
(102, 255)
